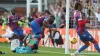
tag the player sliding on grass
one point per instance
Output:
(84, 35)
(30, 45)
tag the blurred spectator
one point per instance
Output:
(97, 14)
(93, 24)
(34, 13)
(1, 21)
(24, 21)
(56, 11)
(5, 20)
(30, 19)
(57, 38)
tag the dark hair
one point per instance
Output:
(77, 5)
(51, 19)
(34, 47)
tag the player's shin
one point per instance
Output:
(97, 47)
(21, 40)
(21, 43)
(81, 49)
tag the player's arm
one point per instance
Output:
(45, 24)
(51, 10)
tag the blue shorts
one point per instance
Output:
(18, 31)
(86, 36)
(36, 28)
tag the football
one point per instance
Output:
(73, 40)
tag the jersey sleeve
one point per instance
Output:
(77, 15)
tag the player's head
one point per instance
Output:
(48, 21)
(51, 19)
(34, 47)
(78, 6)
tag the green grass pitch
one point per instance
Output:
(43, 51)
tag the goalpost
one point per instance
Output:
(67, 27)
(29, 3)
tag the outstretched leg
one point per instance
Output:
(82, 48)
(96, 45)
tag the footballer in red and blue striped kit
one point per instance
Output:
(15, 27)
(84, 35)
(38, 24)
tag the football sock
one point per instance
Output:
(21, 43)
(97, 47)
(82, 48)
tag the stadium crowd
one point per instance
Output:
(91, 9)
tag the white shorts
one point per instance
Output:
(15, 43)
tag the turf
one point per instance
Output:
(43, 51)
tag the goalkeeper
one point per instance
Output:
(29, 42)
(30, 45)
